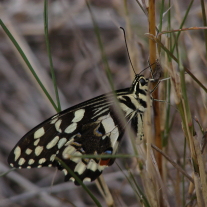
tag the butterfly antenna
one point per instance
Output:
(147, 68)
(127, 49)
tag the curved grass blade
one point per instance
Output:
(79, 181)
(49, 54)
(28, 63)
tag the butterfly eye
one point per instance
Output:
(143, 82)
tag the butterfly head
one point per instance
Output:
(140, 84)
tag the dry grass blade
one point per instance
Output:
(159, 180)
(173, 163)
(29, 187)
(103, 188)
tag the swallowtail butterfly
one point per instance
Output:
(91, 127)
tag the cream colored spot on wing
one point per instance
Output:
(72, 179)
(114, 136)
(52, 143)
(68, 151)
(55, 116)
(52, 157)
(71, 128)
(80, 168)
(98, 109)
(71, 140)
(39, 166)
(100, 112)
(39, 133)
(42, 160)
(103, 117)
(36, 142)
(53, 120)
(61, 142)
(31, 161)
(65, 171)
(57, 125)
(102, 167)
(92, 165)
(108, 124)
(17, 153)
(78, 115)
(11, 165)
(28, 151)
(21, 161)
(29, 167)
(87, 179)
(104, 136)
(76, 159)
(38, 150)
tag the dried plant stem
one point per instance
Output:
(188, 128)
(202, 173)
(173, 163)
(152, 59)
(104, 190)
(149, 177)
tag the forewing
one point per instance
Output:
(88, 128)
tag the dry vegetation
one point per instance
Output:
(79, 70)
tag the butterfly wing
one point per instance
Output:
(91, 127)
(88, 128)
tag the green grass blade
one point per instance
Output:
(27, 63)
(161, 15)
(79, 181)
(5, 173)
(49, 54)
(182, 23)
(141, 193)
(103, 54)
(137, 190)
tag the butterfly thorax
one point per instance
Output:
(136, 100)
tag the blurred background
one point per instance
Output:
(80, 76)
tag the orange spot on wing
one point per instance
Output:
(104, 162)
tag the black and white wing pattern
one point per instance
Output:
(89, 128)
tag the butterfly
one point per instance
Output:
(89, 128)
